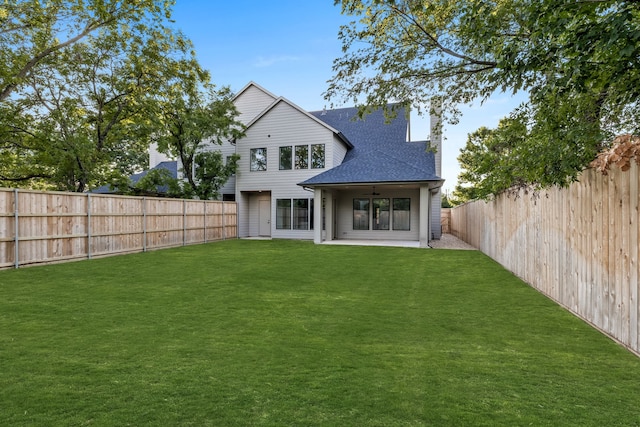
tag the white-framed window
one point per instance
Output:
(258, 159)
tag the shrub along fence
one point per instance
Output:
(577, 245)
(41, 227)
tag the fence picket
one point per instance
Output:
(40, 227)
(579, 246)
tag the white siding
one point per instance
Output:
(156, 157)
(339, 151)
(345, 215)
(243, 214)
(226, 149)
(283, 125)
(251, 102)
(436, 204)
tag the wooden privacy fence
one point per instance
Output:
(577, 245)
(40, 227)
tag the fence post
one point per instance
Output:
(224, 230)
(89, 225)
(16, 227)
(204, 221)
(184, 222)
(144, 224)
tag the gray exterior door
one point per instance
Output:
(264, 209)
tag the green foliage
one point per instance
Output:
(79, 113)
(445, 202)
(193, 116)
(212, 172)
(579, 61)
(156, 182)
(491, 161)
(33, 31)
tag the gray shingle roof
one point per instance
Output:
(171, 166)
(380, 151)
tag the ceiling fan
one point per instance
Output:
(373, 192)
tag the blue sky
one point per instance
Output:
(288, 47)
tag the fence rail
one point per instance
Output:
(577, 245)
(41, 227)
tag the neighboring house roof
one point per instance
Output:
(380, 152)
(171, 166)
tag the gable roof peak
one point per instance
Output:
(255, 85)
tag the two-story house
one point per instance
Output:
(327, 175)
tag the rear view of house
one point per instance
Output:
(327, 175)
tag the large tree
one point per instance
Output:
(81, 115)
(579, 60)
(33, 30)
(194, 117)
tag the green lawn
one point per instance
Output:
(283, 333)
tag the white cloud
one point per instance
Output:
(262, 61)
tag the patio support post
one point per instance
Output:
(329, 219)
(317, 214)
(425, 215)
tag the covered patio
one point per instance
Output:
(394, 214)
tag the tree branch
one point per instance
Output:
(8, 89)
(412, 20)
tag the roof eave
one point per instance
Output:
(344, 139)
(436, 183)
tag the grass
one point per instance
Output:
(279, 333)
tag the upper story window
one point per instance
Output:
(285, 158)
(302, 156)
(317, 156)
(258, 159)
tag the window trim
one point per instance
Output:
(290, 158)
(375, 220)
(313, 158)
(283, 225)
(366, 217)
(393, 213)
(254, 165)
(297, 158)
